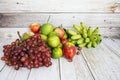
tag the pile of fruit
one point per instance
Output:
(36, 48)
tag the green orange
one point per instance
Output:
(46, 28)
(57, 53)
(53, 41)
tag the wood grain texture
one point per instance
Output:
(46, 73)
(103, 63)
(59, 6)
(9, 35)
(109, 24)
(9, 73)
(114, 47)
(76, 70)
(3, 41)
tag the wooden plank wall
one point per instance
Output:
(95, 13)
(59, 6)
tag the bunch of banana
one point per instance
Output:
(84, 36)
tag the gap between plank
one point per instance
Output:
(83, 55)
(59, 68)
(28, 75)
(3, 67)
(111, 49)
(59, 13)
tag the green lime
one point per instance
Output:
(60, 45)
(52, 34)
(46, 28)
(44, 37)
(53, 41)
(57, 53)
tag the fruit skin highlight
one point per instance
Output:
(46, 28)
(69, 50)
(53, 41)
(57, 53)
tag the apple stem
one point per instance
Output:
(48, 19)
(19, 35)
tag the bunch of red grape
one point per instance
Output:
(31, 53)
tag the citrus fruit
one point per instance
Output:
(53, 41)
(52, 34)
(44, 37)
(57, 53)
(60, 45)
(46, 28)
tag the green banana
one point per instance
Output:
(93, 38)
(84, 30)
(82, 45)
(84, 35)
(74, 42)
(96, 31)
(89, 32)
(94, 44)
(81, 40)
(71, 32)
(99, 39)
(77, 28)
(83, 25)
(69, 39)
(87, 40)
(89, 45)
(76, 37)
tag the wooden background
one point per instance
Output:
(104, 14)
(101, 63)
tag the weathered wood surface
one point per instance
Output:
(46, 73)
(76, 70)
(109, 24)
(101, 63)
(59, 6)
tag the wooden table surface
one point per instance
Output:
(100, 63)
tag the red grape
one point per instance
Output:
(31, 53)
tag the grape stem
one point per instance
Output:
(19, 35)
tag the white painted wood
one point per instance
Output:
(4, 74)
(76, 70)
(9, 73)
(117, 41)
(59, 6)
(91, 19)
(9, 35)
(3, 41)
(21, 74)
(46, 73)
(113, 46)
(108, 23)
(103, 63)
